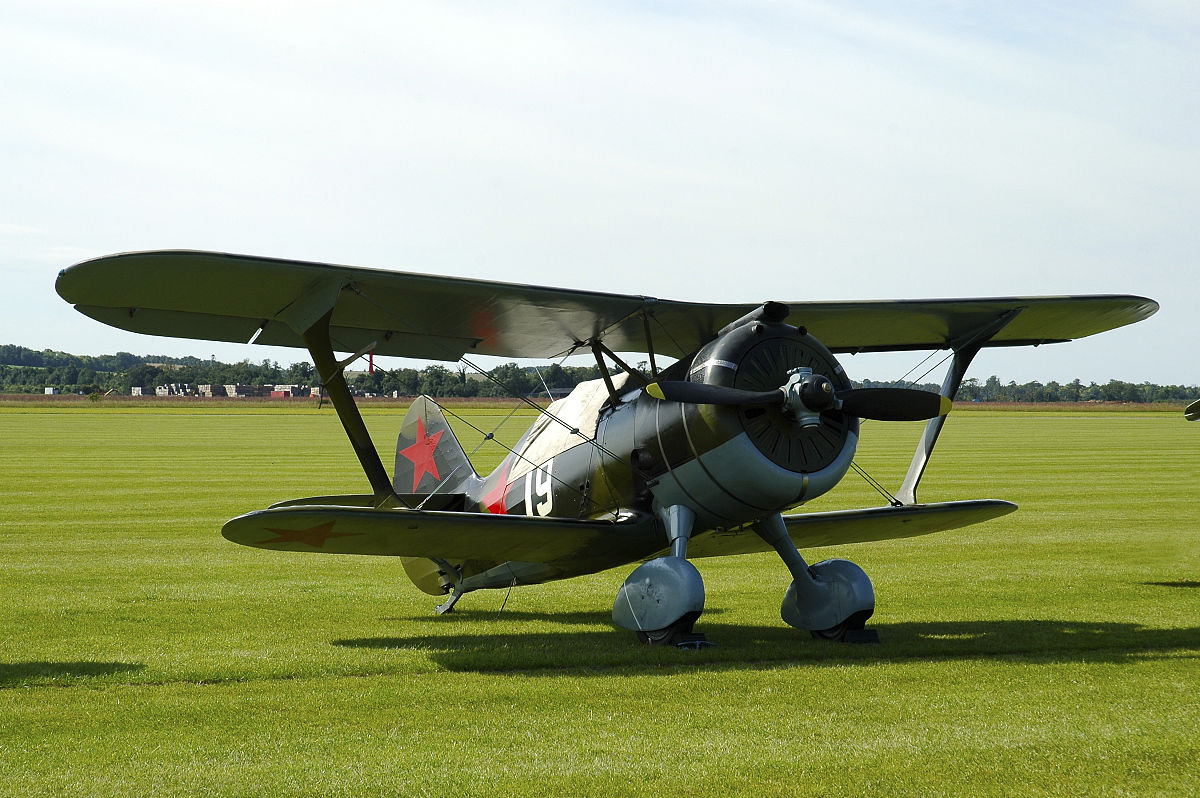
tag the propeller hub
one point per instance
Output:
(807, 395)
(816, 391)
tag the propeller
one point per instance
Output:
(808, 395)
(702, 393)
(894, 404)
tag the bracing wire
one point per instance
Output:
(667, 331)
(904, 376)
(538, 372)
(931, 368)
(492, 378)
(874, 483)
(526, 400)
(507, 593)
(491, 436)
(870, 480)
(512, 451)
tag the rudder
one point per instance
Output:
(428, 458)
(428, 455)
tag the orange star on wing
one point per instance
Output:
(314, 536)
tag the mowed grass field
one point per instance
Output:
(1055, 651)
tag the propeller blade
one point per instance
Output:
(700, 393)
(894, 404)
(879, 404)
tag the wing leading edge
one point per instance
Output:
(839, 527)
(222, 297)
(574, 545)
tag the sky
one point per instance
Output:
(701, 151)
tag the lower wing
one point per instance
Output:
(838, 527)
(342, 529)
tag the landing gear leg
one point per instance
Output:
(451, 577)
(448, 604)
(832, 599)
(662, 598)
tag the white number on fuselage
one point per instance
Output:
(540, 481)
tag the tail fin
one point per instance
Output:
(428, 456)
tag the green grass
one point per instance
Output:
(1050, 652)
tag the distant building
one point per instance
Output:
(211, 390)
(290, 391)
(51, 391)
(135, 390)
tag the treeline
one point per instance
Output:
(507, 380)
(73, 378)
(13, 355)
(24, 370)
(992, 390)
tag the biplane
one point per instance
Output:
(708, 455)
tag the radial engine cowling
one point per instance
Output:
(732, 464)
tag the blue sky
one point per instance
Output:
(702, 151)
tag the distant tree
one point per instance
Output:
(438, 381)
(142, 376)
(580, 374)
(406, 382)
(510, 380)
(299, 374)
(368, 383)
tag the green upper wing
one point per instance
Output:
(220, 297)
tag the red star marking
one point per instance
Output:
(421, 454)
(494, 499)
(314, 536)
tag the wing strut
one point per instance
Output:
(600, 364)
(638, 376)
(316, 338)
(649, 344)
(965, 350)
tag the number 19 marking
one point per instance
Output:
(540, 480)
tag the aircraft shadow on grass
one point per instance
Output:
(1032, 641)
(19, 674)
(582, 618)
